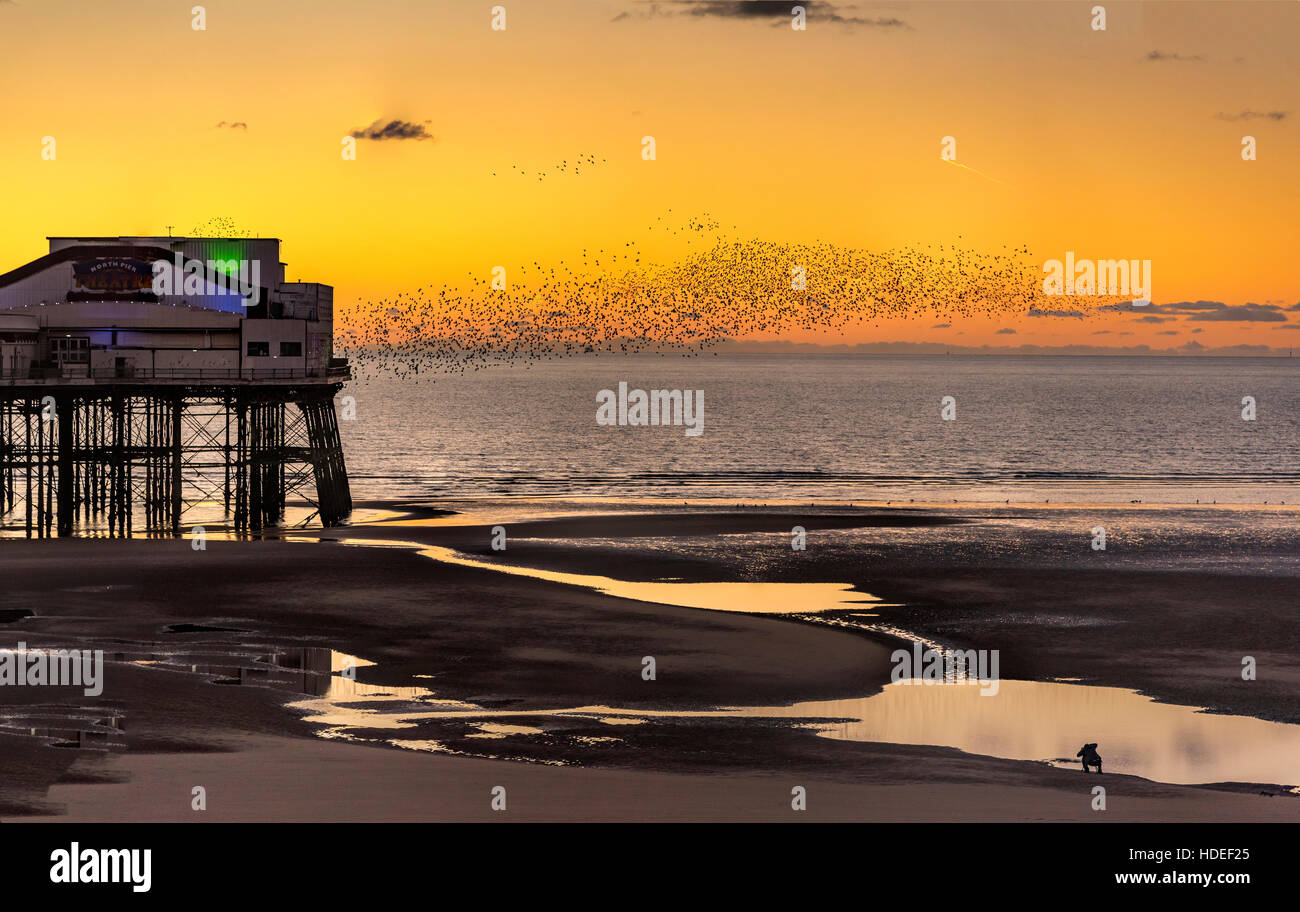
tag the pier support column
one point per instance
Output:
(333, 496)
(122, 457)
(177, 405)
(65, 406)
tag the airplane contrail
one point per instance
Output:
(976, 170)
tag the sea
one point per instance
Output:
(839, 427)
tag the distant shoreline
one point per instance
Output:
(937, 348)
(909, 350)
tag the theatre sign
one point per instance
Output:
(111, 275)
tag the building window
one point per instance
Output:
(70, 351)
(259, 349)
(290, 349)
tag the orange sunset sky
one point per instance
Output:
(1123, 143)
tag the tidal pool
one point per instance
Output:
(1037, 721)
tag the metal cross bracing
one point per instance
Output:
(131, 461)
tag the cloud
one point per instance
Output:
(942, 326)
(393, 129)
(1190, 347)
(1288, 326)
(233, 125)
(742, 9)
(1205, 311)
(1194, 306)
(1006, 331)
(1167, 332)
(778, 10)
(1253, 115)
(1128, 307)
(1157, 56)
(1181, 307)
(1036, 312)
(1151, 318)
(1246, 313)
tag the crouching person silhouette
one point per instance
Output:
(1090, 757)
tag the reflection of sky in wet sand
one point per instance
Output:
(502, 730)
(1045, 721)
(351, 704)
(1032, 720)
(1025, 720)
(755, 598)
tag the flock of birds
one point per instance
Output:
(219, 227)
(723, 289)
(565, 166)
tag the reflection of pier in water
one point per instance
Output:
(88, 728)
(305, 670)
(301, 670)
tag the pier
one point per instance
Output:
(124, 410)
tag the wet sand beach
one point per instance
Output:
(467, 677)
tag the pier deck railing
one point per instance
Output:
(169, 375)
